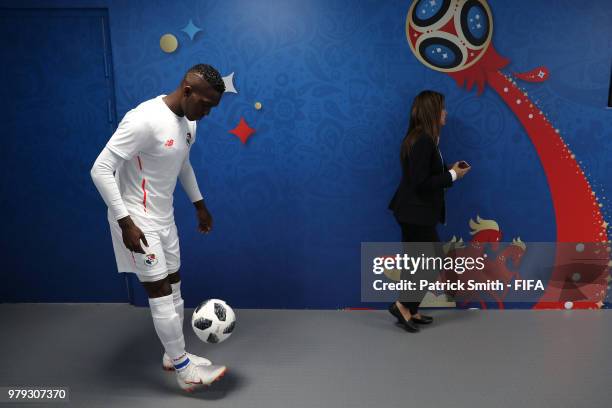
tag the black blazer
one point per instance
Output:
(419, 199)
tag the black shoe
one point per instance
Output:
(395, 312)
(406, 324)
(423, 320)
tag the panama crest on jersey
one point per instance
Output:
(188, 138)
(150, 260)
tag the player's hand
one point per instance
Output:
(460, 171)
(132, 235)
(205, 220)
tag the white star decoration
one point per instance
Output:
(229, 83)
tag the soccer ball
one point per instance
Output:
(449, 35)
(213, 321)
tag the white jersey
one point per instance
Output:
(155, 144)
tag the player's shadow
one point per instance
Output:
(134, 367)
(218, 390)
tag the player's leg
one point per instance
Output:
(152, 271)
(175, 284)
(172, 254)
(189, 375)
(200, 370)
(170, 246)
(179, 306)
(158, 288)
(166, 320)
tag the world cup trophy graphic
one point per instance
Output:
(455, 37)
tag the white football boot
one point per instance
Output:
(168, 366)
(194, 377)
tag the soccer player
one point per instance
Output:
(136, 176)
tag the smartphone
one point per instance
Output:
(463, 164)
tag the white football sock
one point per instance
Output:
(169, 329)
(179, 304)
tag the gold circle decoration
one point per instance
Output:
(168, 43)
(258, 105)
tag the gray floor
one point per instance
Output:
(109, 357)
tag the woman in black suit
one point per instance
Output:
(418, 204)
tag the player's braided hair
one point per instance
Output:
(210, 75)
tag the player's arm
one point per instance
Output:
(132, 136)
(102, 174)
(190, 185)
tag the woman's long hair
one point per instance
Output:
(424, 119)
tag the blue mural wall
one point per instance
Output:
(336, 80)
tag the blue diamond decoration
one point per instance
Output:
(191, 29)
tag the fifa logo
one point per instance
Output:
(449, 35)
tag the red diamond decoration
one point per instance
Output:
(242, 131)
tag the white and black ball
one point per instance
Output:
(213, 321)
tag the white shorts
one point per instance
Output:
(161, 257)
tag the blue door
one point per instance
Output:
(57, 110)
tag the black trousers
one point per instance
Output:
(418, 233)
